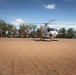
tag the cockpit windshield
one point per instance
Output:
(50, 29)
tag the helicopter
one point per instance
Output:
(47, 31)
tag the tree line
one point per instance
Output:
(69, 33)
(26, 31)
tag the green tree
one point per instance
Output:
(3, 26)
(29, 29)
(26, 30)
(62, 32)
(22, 30)
(34, 32)
(70, 32)
(75, 33)
(14, 32)
(10, 28)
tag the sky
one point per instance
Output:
(39, 11)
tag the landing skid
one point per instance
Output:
(43, 39)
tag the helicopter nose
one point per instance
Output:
(56, 33)
(53, 33)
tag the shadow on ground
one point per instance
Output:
(44, 40)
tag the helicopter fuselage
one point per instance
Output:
(48, 32)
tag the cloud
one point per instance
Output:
(17, 21)
(50, 6)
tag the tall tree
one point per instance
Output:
(34, 31)
(14, 31)
(62, 32)
(10, 28)
(22, 30)
(70, 32)
(3, 26)
(75, 33)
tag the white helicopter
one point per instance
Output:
(47, 31)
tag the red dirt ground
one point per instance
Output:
(21, 56)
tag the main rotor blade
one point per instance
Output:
(60, 24)
(51, 20)
(52, 23)
(35, 23)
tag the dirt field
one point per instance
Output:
(21, 56)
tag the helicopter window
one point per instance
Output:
(50, 29)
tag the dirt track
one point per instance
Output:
(33, 57)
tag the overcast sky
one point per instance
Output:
(38, 11)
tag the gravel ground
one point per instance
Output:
(27, 56)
